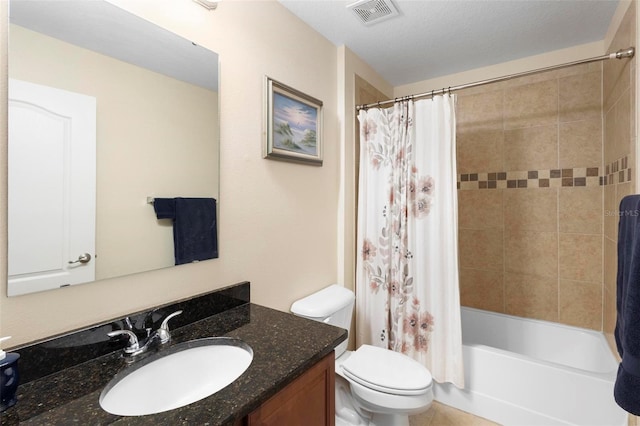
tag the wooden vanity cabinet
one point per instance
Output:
(309, 400)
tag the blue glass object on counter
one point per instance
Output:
(9, 379)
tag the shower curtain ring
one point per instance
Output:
(432, 95)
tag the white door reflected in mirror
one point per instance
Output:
(52, 187)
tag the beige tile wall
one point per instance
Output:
(619, 142)
(537, 251)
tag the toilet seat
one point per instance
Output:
(387, 371)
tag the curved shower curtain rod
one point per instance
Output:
(620, 54)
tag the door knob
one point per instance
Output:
(83, 258)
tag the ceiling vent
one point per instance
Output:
(373, 11)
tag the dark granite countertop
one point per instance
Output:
(284, 346)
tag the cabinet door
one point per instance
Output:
(309, 400)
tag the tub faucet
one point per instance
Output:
(133, 348)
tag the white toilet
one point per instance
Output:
(374, 386)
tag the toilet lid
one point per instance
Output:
(387, 371)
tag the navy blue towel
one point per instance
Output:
(195, 235)
(627, 333)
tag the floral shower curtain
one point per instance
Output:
(407, 268)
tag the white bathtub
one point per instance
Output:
(528, 372)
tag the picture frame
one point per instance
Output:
(293, 125)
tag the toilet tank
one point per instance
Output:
(331, 305)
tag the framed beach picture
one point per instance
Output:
(293, 125)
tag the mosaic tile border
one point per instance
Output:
(551, 178)
(616, 172)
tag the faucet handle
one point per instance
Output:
(134, 346)
(163, 331)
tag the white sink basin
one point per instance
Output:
(185, 373)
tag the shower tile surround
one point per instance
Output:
(62, 377)
(620, 138)
(531, 181)
(543, 163)
(618, 171)
(556, 178)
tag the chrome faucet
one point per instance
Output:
(162, 333)
(134, 348)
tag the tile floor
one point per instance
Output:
(443, 415)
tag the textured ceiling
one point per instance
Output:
(432, 38)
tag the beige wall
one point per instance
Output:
(140, 137)
(277, 220)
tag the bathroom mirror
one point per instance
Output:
(147, 102)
